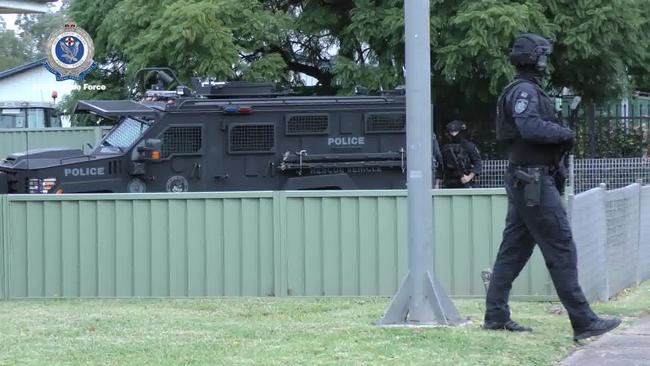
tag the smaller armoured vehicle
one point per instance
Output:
(28, 115)
(225, 137)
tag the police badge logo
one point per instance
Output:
(70, 53)
(177, 183)
(521, 105)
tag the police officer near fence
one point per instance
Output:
(526, 124)
(461, 161)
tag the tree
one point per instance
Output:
(599, 50)
(28, 42)
(12, 51)
(35, 29)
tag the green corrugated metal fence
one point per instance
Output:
(4, 239)
(20, 139)
(340, 243)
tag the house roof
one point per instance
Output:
(24, 6)
(21, 68)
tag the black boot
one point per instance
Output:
(509, 326)
(597, 327)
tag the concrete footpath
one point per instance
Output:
(619, 348)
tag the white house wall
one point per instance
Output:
(33, 85)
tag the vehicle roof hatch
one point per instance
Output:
(113, 108)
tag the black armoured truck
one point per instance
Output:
(225, 137)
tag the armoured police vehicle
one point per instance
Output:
(225, 137)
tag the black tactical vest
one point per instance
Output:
(456, 159)
(519, 151)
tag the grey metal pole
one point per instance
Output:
(420, 300)
(418, 140)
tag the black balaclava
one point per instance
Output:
(453, 126)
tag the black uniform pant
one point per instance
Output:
(548, 226)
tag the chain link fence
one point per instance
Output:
(613, 241)
(583, 173)
(611, 228)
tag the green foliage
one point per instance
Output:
(375, 77)
(37, 28)
(596, 40)
(114, 81)
(613, 138)
(363, 60)
(13, 52)
(28, 42)
(91, 15)
(597, 43)
(194, 38)
(476, 41)
(600, 50)
(267, 68)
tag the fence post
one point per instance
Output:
(603, 186)
(591, 120)
(280, 259)
(638, 233)
(4, 281)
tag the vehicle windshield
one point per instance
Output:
(124, 135)
(29, 118)
(12, 118)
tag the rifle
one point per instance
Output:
(460, 166)
(562, 164)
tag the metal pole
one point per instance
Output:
(420, 300)
(637, 249)
(418, 140)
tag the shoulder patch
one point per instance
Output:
(521, 105)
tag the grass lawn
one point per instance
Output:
(281, 331)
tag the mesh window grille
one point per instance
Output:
(307, 124)
(385, 122)
(181, 140)
(247, 138)
(126, 133)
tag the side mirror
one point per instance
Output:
(151, 151)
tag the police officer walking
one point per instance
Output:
(460, 157)
(526, 124)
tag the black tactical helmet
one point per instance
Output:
(531, 50)
(456, 126)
